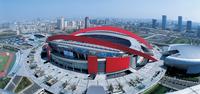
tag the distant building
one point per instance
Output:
(189, 26)
(87, 22)
(94, 21)
(198, 31)
(61, 23)
(164, 22)
(107, 21)
(18, 32)
(65, 24)
(154, 23)
(4, 25)
(180, 26)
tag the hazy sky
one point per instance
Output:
(19, 9)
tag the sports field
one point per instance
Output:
(6, 60)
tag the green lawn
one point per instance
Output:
(25, 82)
(3, 61)
(181, 41)
(4, 81)
(157, 89)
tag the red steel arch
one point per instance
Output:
(102, 43)
(114, 29)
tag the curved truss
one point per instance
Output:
(114, 29)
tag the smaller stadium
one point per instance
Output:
(184, 57)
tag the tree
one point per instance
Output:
(110, 88)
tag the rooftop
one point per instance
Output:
(186, 51)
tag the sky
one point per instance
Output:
(29, 9)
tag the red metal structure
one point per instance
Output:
(92, 65)
(114, 29)
(46, 46)
(114, 64)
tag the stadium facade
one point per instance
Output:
(102, 49)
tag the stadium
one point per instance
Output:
(7, 60)
(102, 49)
(183, 57)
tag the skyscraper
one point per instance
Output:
(189, 26)
(154, 22)
(180, 23)
(87, 22)
(61, 23)
(164, 22)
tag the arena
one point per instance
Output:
(114, 59)
(99, 50)
(184, 57)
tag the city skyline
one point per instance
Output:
(23, 9)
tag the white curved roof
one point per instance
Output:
(186, 51)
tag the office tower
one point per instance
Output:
(61, 23)
(107, 21)
(164, 22)
(189, 26)
(87, 22)
(154, 22)
(58, 24)
(180, 23)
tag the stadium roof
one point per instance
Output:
(186, 51)
(114, 29)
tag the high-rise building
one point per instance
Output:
(189, 26)
(154, 23)
(61, 23)
(180, 26)
(107, 21)
(87, 22)
(164, 22)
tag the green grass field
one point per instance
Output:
(3, 61)
(3, 82)
(157, 89)
(25, 82)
